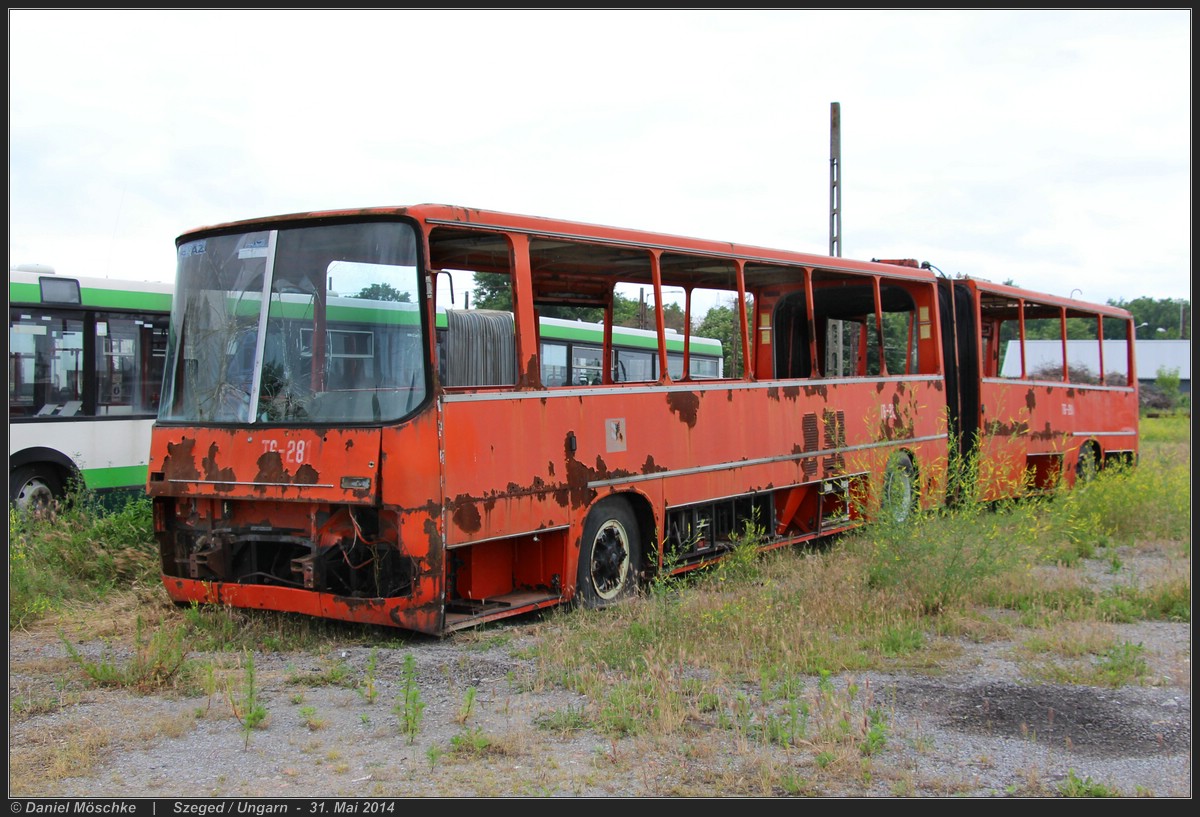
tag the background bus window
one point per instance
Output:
(554, 364)
(129, 364)
(633, 366)
(586, 365)
(45, 366)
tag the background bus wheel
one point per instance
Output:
(1087, 466)
(609, 554)
(899, 497)
(34, 487)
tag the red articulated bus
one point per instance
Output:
(336, 438)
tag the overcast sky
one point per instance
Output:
(1050, 148)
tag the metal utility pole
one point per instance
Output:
(835, 166)
(833, 335)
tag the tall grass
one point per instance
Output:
(76, 552)
(876, 599)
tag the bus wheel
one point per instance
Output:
(34, 487)
(609, 554)
(898, 498)
(1087, 466)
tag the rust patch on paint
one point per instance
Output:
(1030, 400)
(791, 393)
(211, 470)
(180, 462)
(433, 536)
(997, 429)
(651, 467)
(578, 477)
(532, 374)
(466, 514)
(686, 404)
(270, 468)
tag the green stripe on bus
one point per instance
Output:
(124, 476)
(127, 299)
(123, 299)
(594, 334)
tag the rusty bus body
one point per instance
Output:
(341, 457)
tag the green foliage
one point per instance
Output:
(1169, 314)
(76, 551)
(384, 292)
(409, 708)
(155, 664)
(564, 721)
(367, 687)
(1167, 382)
(1074, 786)
(471, 742)
(468, 705)
(937, 561)
(245, 704)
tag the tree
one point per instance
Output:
(1172, 315)
(384, 292)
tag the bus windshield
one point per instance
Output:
(316, 324)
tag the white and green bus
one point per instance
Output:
(85, 362)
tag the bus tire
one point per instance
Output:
(608, 555)
(898, 498)
(34, 487)
(1088, 464)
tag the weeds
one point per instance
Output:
(1074, 786)
(468, 705)
(367, 687)
(409, 708)
(154, 665)
(244, 704)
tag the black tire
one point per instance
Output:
(898, 497)
(608, 555)
(1088, 464)
(34, 487)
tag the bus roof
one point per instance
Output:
(25, 286)
(477, 219)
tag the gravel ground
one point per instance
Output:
(978, 727)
